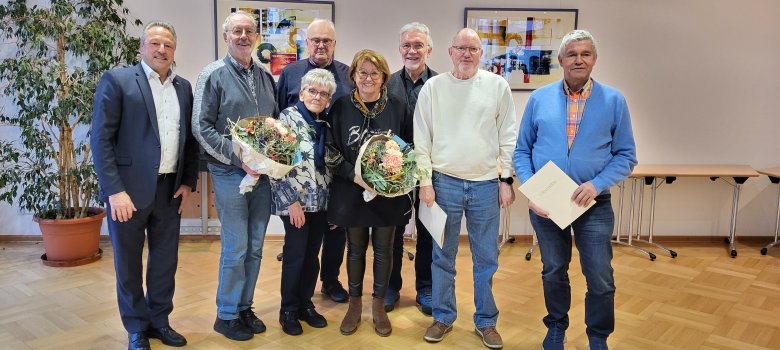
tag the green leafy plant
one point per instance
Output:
(61, 49)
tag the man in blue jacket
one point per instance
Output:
(584, 127)
(146, 162)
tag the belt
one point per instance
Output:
(165, 176)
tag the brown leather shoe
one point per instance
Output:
(436, 332)
(490, 337)
(352, 319)
(381, 322)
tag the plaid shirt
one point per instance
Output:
(575, 105)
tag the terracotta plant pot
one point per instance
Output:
(72, 242)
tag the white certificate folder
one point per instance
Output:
(551, 189)
(434, 219)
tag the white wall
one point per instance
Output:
(698, 76)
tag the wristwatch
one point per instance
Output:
(507, 180)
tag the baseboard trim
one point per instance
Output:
(526, 238)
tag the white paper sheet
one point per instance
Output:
(551, 189)
(434, 219)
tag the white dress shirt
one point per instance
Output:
(166, 105)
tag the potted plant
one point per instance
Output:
(61, 49)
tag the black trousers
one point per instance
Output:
(333, 243)
(423, 258)
(382, 241)
(300, 265)
(158, 224)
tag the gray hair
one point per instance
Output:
(416, 27)
(327, 21)
(321, 77)
(576, 35)
(229, 19)
(161, 24)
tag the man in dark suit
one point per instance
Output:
(146, 161)
(415, 45)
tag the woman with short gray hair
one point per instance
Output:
(300, 199)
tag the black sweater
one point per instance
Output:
(348, 130)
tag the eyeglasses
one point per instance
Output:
(415, 46)
(463, 49)
(314, 93)
(374, 75)
(238, 32)
(318, 41)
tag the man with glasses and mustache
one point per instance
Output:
(228, 90)
(464, 130)
(415, 45)
(321, 43)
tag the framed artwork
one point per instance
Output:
(281, 26)
(521, 44)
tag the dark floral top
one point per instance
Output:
(304, 184)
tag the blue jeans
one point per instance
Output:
(244, 218)
(592, 234)
(479, 201)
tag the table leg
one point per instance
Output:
(764, 250)
(505, 230)
(534, 243)
(654, 183)
(630, 224)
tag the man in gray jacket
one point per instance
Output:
(230, 89)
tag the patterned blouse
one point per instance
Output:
(304, 183)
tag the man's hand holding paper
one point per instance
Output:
(550, 191)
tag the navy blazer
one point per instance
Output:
(125, 139)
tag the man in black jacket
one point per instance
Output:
(415, 46)
(146, 161)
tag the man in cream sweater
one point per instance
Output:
(464, 131)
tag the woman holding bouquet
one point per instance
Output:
(367, 111)
(300, 199)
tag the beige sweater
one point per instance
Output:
(465, 128)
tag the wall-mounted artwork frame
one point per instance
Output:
(521, 44)
(281, 26)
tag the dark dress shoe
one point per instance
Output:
(335, 291)
(167, 335)
(424, 303)
(138, 341)
(233, 329)
(251, 321)
(290, 323)
(312, 317)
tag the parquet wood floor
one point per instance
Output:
(701, 300)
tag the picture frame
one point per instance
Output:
(281, 25)
(521, 44)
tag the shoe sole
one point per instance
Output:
(436, 340)
(316, 325)
(333, 299)
(491, 346)
(236, 339)
(348, 333)
(176, 345)
(564, 341)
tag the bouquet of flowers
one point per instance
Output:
(387, 165)
(266, 146)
